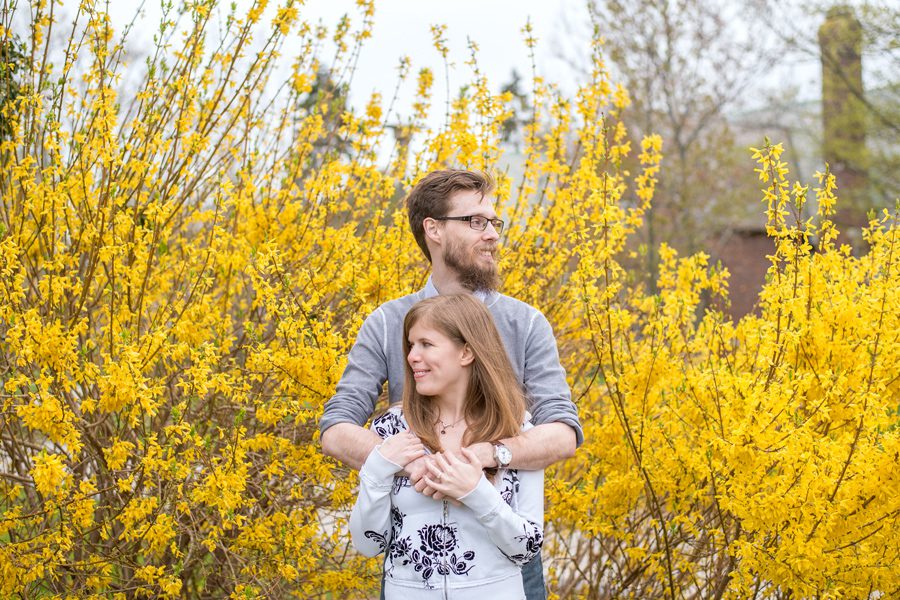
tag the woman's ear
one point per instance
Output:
(467, 356)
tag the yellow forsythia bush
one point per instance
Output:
(189, 244)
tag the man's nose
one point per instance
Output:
(490, 233)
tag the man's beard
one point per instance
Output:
(472, 276)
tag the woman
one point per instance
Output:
(460, 390)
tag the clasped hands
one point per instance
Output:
(441, 475)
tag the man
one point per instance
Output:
(454, 222)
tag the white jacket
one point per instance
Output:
(435, 549)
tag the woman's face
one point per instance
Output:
(439, 364)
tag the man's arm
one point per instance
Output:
(535, 449)
(345, 414)
(550, 400)
(532, 450)
(349, 443)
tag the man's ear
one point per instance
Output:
(432, 230)
(467, 356)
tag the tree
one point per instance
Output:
(875, 102)
(519, 109)
(12, 63)
(686, 64)
(183, 272)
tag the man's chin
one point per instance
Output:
(475, 273)
(480, 280)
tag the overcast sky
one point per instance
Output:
(403, 27)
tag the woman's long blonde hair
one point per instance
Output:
(494, 406)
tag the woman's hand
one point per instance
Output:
(454, 476)
(402, 448)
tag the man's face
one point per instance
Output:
(472, 254)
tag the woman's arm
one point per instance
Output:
(370, 520)
(517, 530)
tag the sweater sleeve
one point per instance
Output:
(370, 520)
(545, 380)
(363, 378)
(517, 529)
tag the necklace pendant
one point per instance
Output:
(443, 431)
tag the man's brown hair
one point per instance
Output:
(431, 197)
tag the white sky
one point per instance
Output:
(403, 27)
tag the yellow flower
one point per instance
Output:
(49, 474)
(118, 453)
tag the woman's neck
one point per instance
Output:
(451, 410)
(450, 425)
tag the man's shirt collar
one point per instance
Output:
(429, 291)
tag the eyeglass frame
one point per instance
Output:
(497, 223)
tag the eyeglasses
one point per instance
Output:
(476, 222)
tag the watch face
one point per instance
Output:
(504, 455)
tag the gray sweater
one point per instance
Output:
(377, 356)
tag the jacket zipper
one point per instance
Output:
(445, 517)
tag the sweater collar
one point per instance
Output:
(488, 297)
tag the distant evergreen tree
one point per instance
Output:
(12, 60)
(511, 132)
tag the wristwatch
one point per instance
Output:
(502, 455)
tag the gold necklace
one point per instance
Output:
(445, 427)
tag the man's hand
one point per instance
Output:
(485, 453)
(402, 448)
